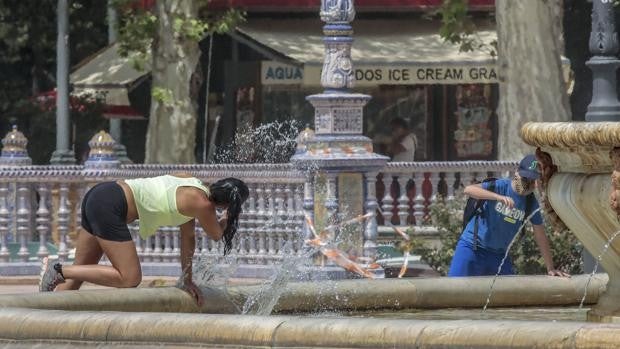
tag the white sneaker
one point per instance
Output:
(50, 276)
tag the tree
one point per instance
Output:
(170, 32)
(532, 86)
(529, 49)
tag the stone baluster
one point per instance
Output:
(148, 249)
(157, 250)
(240, 245)
(370, 229)
(308, 202)
(470, 178)
(403, 199)
(176, 247)
(299, 231)
(331, 197)
(43, 220)
(418, 207)
(201, 240)
(434, 179)
(23, 220)
(281, 230)
(291, 216)
(167, 255)
(82, 190)
(450, 179)
(252, 225)
(387, 203)
(5, 220)
(64, 216)
(273, 219)
(261, 220)
(134, 229)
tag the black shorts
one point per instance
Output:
(104, 212)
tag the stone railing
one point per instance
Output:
(40, 212)
(405, 190)
(40, 206)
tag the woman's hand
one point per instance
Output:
(194, 291)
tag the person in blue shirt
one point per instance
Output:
(503, 213)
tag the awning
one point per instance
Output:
(108, 73)
(392, 52)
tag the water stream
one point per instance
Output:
(501, 264)
(598, 261)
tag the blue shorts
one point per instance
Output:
(467, 262)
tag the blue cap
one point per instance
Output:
(528, 167)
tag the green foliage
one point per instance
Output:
(138, 28)
(447, 217)
(162, 95)
(458, 28)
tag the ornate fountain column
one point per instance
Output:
(338, 153)
(604, 63)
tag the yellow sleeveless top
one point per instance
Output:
(156, 201)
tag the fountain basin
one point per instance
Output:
(111, 329)
(580, 171)
(342, 295)
(144, 317)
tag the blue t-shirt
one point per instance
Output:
(498, 224)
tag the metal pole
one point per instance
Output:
(63, 153)
(116, 125)
(604, 48)
(205, 129)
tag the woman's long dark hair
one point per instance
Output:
(232, 192)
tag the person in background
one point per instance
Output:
(404, 142)
(485, 240)
(169, 200)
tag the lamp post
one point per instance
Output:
(604, 48)
(63, 155)
(116, 125)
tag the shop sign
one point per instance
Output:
(366, 75)
(276, 73)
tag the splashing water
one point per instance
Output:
(263, 301)
(272, 142)
(598, 261)
(499, 269)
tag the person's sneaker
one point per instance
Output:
(50, 276)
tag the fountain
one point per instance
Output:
(578, 157)
(575, 159)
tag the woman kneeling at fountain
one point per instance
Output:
(168, 200)
(484, 243)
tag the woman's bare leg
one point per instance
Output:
(87, 251)
(124, 272)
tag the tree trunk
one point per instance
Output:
(171, 135)
(532, 86)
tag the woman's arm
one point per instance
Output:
(477, 192)
(194, 203)
(188, 244)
